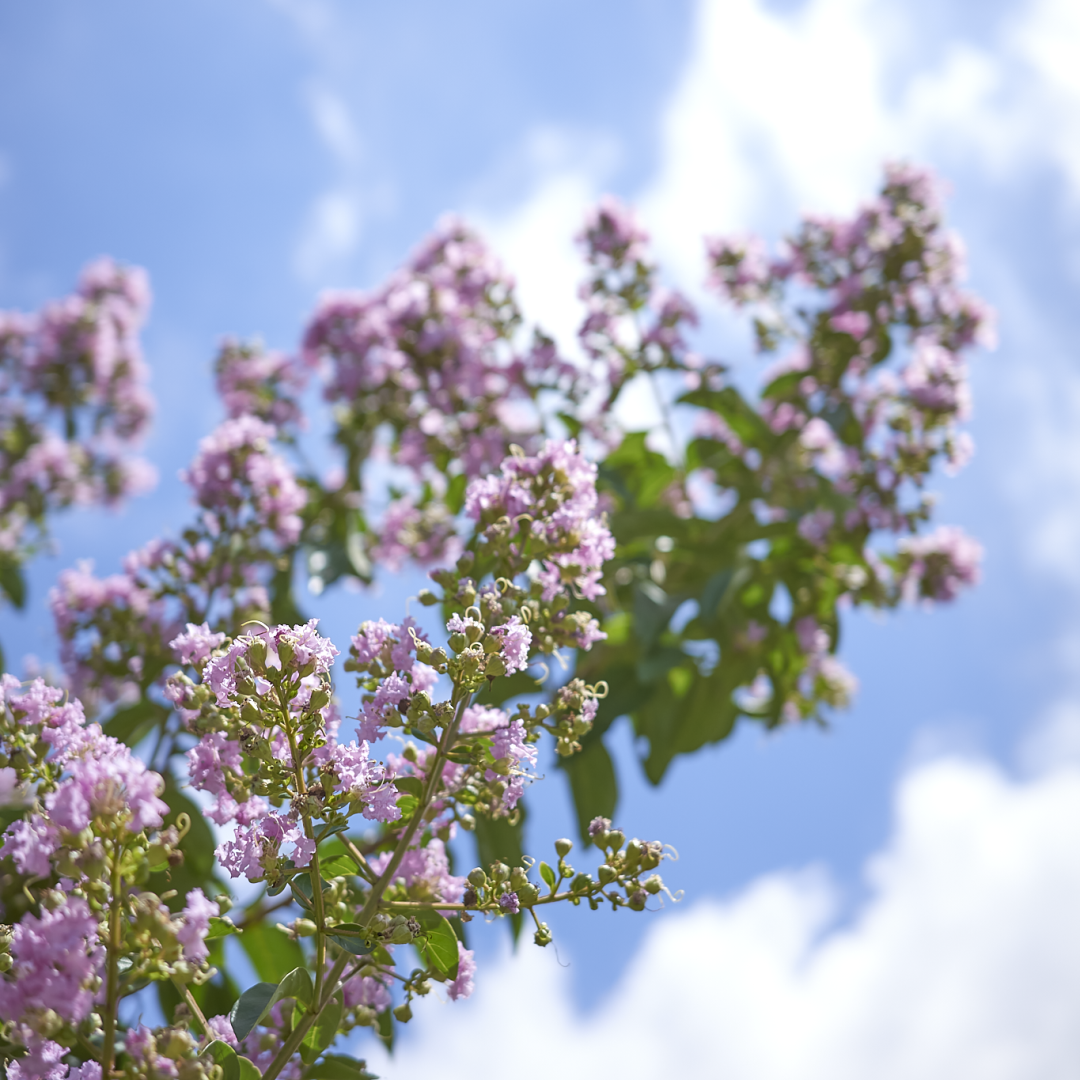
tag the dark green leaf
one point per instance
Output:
(12, 582)
(455, 493)
(593, 785)
(352, 942)
(325, 1029)
(131, 725)
(384, 1028)
(252, 1005)
(272, 953)
(338, 1067)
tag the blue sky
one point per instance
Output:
(252, 154)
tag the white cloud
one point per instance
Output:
(964, 962)
(330, 234)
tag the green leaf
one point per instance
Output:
(221, 1053)
(301, 889)
(407, 804)
(337, 866)
(12, 582)
(593, 785)
(248, 1069)
(132, 724)
(252, 1005)
(548, 876)
(271, 952)
(325, 1029)
(455, 493)
(296, 985)
(384, 1028)
(441, 948)
(338, 1067)
(411, 785)
(221, 928)
(351, 942)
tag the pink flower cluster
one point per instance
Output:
(937, 566)
(432, 354)
(73, 402)
(556, 489)
(241, 481)
(252, 381)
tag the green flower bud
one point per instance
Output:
(249, 713)
(495, 667)
(492, 644)
(581, 883)
(319, 700)
(304, 928)
(543, 935)
(256, 655)
(285, 652)
(5, 962)
(403, 1013)
(477, 878)
(654, 884)
(474, 634)
(245, 686)
(607, 874)
(427, 597)
(518, 878)
(500, 872)
(637, 900)
(458, 642)
(615, 839)
(563, 847)
(527, 895)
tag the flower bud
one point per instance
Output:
(245, 686)
(615, 839)
(581, 882)
(304, 928)
(500, 872)
(637, 900)
(319, 700)
(477, 878)
(607, 874)
(5, 962)
(249, 713)
(458, 642)
(285, 652)
(563, 847)
(403, 1013)
(256, 654)
(654, 884)
(427, 597)
(543, 935)
(495, 667)
(518, 878)
(492, 644)
(528, 895)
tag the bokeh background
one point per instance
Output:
(896, 897)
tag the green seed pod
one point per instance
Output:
(518, 878)
(458, 642)
(474, 634)
(495, 667)
(607, 874)
(527, 895)
(492, 644)
(542, 936)
(563, 847)
(403, 1013)
(615, 839)
(654, 884)
(249, 713)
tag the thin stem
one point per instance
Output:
(193, 1005)
(296, 1037)
(434, 775)
(112, 957)
(358, 858)
(254, 917)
